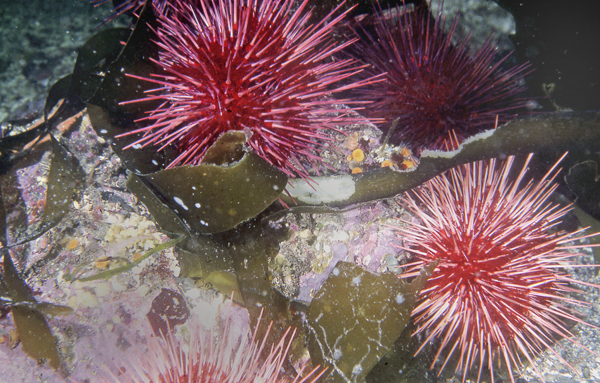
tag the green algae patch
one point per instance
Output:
(355, 318)
(213, 199)
(121, 269)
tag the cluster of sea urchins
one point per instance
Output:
(256, 66)
(261, 67)
(500, 291)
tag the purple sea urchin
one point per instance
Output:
(434, 88)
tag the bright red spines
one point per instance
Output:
(499, 291)
(246, 65)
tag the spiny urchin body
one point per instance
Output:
(500, 292)
(256, 66)
(207, 358)
(436, 89)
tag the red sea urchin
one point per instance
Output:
(169, 359)
(436, 89)
(499, 291)
(249, 65)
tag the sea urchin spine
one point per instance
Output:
(500, 290)
(255, 66)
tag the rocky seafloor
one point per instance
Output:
(107, 225)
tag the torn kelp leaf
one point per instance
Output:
(36, 338)
(402, 358)
(206, 261)
(247, 249)
(584, 181)
(110, 119)
(141, 160)
(65, 181)
(26, 148)
(212, 199)
(4, 299)
(236, 261)
(18, 291)
(48, 309)
(551, 132)
(93, 59)
(12, 148)
(249, 259)
(226, 283)
(73, 89)
(356, 317)
(229, 148)
(162, 214)
(134, 58)
(58, 91)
